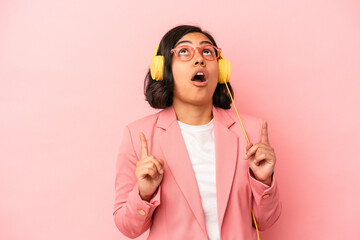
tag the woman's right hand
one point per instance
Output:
(149, 172)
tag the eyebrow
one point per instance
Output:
(187, 41)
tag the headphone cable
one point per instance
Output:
(247, 139)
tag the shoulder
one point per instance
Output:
(144, 122)
(132, 131)
(252, 124)
(245, 118)
(148, 124)
(143, 125)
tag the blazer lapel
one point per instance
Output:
(177, 158)
(226, 151)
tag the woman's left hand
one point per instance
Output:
(261, 157)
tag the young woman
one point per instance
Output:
(190, 171)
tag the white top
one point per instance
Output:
(199, 141)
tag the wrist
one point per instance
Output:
(145, 197)
(266, 181)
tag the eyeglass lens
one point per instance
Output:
(186, 52)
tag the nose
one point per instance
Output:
(199, 59)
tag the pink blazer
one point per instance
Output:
(175, 211)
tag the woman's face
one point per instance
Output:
(192, 90)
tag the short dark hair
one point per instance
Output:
(159, 94)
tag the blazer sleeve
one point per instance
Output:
(132, 215)
(266, 203)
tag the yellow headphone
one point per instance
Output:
(157, 72)
(157, 67)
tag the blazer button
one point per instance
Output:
(142, 212)
(266, 196)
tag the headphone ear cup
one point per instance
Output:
(157, 67)
(224, 70)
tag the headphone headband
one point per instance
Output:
(156, 50)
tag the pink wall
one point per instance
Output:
(71, 77)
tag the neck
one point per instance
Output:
(193, 115)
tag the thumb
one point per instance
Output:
(248, 146)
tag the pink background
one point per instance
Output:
(71, 77)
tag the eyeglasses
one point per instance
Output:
(186, 53)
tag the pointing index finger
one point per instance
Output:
(264, 133)
(144, 148)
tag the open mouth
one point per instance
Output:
(200, 77)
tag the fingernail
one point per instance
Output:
(245, 156)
